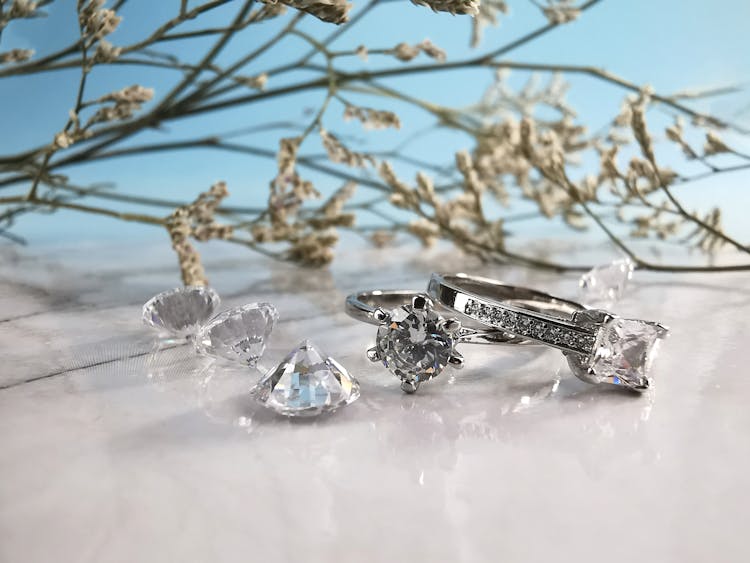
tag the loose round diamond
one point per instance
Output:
(414, 345)
(181, 311)
(238, 334)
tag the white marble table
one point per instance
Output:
(111, 451)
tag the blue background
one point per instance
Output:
(670, 44)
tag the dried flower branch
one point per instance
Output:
(524, 144)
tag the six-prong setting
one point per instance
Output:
(415, 343)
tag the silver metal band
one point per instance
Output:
(528, 313)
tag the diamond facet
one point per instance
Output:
(181, 311)
(602, 286)
(624, 351)
(306, 383)
(414, 345)
(238, 334)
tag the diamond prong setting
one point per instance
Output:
(416, 344)
(456, 360)
(372, 354)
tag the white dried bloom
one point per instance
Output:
(426, 189)
(675, 133)
(561, 11)
(126, 102)
(63, 140)
(714, 145)
(15, 56)
(335, 204)
(22, 9)
(640, 130)
(267, 12)
(255, 82)
(465, 165)
(426, 231)
(314, 248)
(382, 238)
(337, 152)
(403, 196)
(331, 11)
(488, 15)
(134, 94)
(470, 7)
(432, 50)
(362, 52)
(287, 156)
(106, 52)
(405, 52)
(97, 21)
(372, 118)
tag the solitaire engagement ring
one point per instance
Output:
(600, 347)
(414, 340)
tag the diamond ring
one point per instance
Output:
(414, 340)
(600, 347)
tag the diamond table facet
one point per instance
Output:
(306, 383)
(181, 311)
(238, 334)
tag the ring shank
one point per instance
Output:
(447, 287)
(522, 311)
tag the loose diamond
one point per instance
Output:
(625, 349)
(181, 311)
(414, 345)
(306, 383)
(238, 334)
(604, 285)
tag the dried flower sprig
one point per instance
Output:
(197, 221)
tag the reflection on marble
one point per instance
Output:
(119, 447)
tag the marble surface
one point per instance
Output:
(113, 449)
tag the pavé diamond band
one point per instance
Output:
(600, 347)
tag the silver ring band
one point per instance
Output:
(522, 311)
(600, 347)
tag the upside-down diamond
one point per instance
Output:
(306, 383)
(238, 334)
(180, 311)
